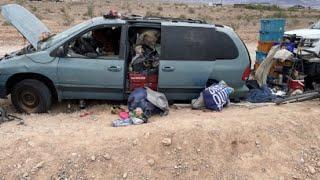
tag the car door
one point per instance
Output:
(82, 77)
(186, 59)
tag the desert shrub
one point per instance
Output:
(6, 23)
(262, 7)
(279, 14)
(248, 18)
(39, 16)
(67, 19)
(254, 23)
(295, 21)
(160, 8)
(234, 26)
(62, 10)
(33, 8)
(90, 9)
(152, 14)
(21, 2)
(191, 10)
(182, 16)
(205, 18)
(48, 10)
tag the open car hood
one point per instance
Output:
(25, 22)
(305, 33)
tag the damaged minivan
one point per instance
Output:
(107, 57)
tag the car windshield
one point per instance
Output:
(316, 25)
(61, 36)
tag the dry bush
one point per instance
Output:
(191, 10)
(67, 19)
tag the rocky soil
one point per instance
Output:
(271, 142)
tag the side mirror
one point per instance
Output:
(60, 52)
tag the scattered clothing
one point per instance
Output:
(142, 104)
(135, 117)
(138, 98)
(261, 95)
(151, 102)
(124, 115)
(138, 115)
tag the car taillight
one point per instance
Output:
(246, 74)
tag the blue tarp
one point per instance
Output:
(260, 95)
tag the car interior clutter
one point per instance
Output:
(143, 58)
(98, 43)
(145, 49)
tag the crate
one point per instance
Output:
(265, 46)
(260, 56)
(266, 36)
(133, 86)
(138, 80)
(272, 25)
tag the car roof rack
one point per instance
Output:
(158, 18)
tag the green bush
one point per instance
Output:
(262, 7)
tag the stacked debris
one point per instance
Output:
(142, 104)
(145, 52)
(283, 72)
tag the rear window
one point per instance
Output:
(187, 43)
(224, 47)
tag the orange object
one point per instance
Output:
(265, 46)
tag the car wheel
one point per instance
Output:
(31, 96)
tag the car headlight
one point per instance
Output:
(310, 42)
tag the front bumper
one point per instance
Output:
(3, 91)
(3, 88)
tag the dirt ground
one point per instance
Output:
(272, 142)
(269, 142)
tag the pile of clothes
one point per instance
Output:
(146, 52)
(142, 104)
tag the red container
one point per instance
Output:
(296, 84)
(137, 80)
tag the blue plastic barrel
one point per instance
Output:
(260, 56)
(271, 36)
(272, 25)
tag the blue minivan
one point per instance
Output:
(94, 59)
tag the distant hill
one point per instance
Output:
(286, 3)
